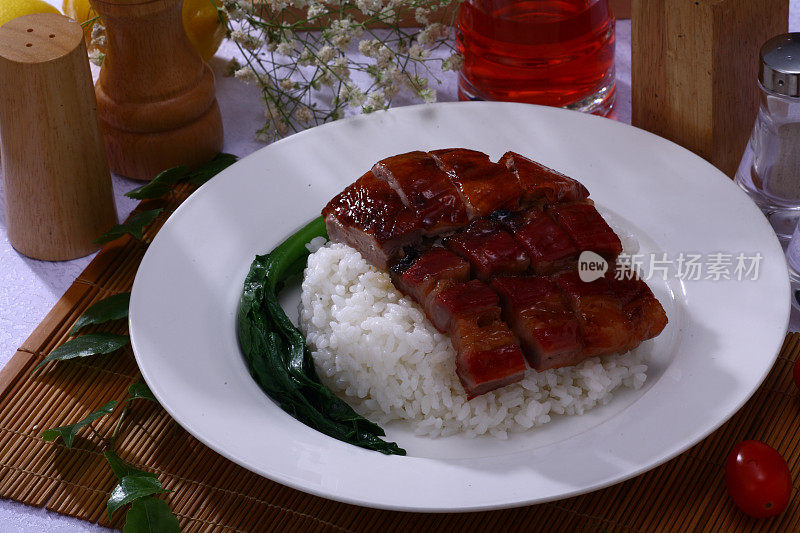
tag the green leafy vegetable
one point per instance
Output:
(67, 433)
(140, 391)
(107, 309)
(86, 345)
(134, 226)
(209, 170)
(278, 357)
(160, 185)
(150, 515)
(132, 488)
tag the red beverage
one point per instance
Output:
(550, 52)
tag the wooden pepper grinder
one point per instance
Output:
(155, 94)
(693, 69)
(58, 196)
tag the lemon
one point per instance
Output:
(200, 21)
(11, 9)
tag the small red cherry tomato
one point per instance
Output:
(797, 373)
(758, 479)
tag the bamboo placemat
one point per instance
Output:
(211, 493)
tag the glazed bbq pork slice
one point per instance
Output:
(642, 308)
(542, 319)
(547, 244)
(423, 276)
(604, 326)
(541, 184)
(490, 250)
(484, 186)
(370, 217)
(424, 188)
(487, 354)
(587, 229)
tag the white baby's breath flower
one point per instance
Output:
(369, 6)
(369, 48)
(287, 85)
(98, 30)
(376, 99)
(233, 10)
(428, 95)
(282, 127)
(246, 75)
(455, 62)
(286, 48)
(417, 52)
(303, 115)
(326, 54)
(306, 58)
(315, 9)
(246, 40)
(97, 57)
(339, 66)
(264, 137)
(432, 33)
(421, 15)
(352, 95)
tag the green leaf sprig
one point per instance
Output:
(134, 227)
(90, 344)
(68, 433)
(111, 308)
(164, 183)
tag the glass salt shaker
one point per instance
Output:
(770, 168)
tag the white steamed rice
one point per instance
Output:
(377, 349)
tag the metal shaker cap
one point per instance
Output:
(779, 70)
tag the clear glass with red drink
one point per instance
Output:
(550, 52)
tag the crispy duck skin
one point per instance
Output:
(541, 317)
(642, 308)
(369, 216)
(424, 276)
(426, 189)
(604, 326)
(547, 244)
(484, 186)
(587, 229)
(490, 250)
(541, 184)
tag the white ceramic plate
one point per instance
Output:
(722, 339)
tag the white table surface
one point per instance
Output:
(29, 288)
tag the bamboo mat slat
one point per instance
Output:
(209, 493)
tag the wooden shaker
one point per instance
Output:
(58, 195)
(694, 71)
(155, 94)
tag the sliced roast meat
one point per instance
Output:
(541, 317)
(490, 250)
(645, 312)
(587, 229)
(542, 184)
(604, 326)
(484, 186)
(487, 355)
(426, 189)
(549, 247)
(424, 276)
(369, 216)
